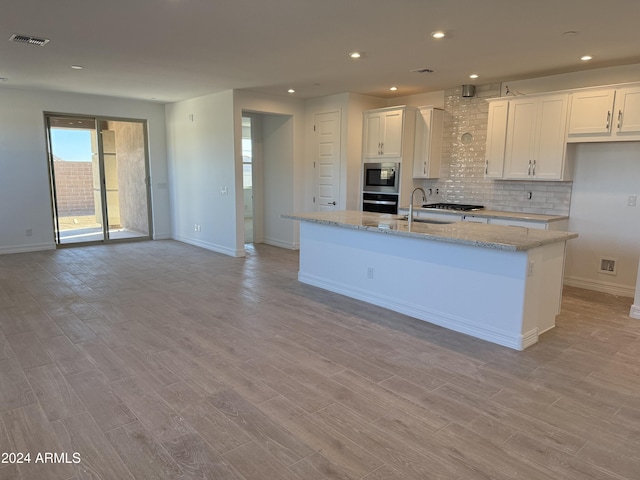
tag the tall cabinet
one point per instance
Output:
(389, 136)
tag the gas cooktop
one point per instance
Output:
(453, 206)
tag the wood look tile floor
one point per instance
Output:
(159, 360)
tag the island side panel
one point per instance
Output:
(474, 290)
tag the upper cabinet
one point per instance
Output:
(605, 115)
(526, 138)
(383, 129)
(496, 138)
(428, 143)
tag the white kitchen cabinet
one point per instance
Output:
(605, 115)
(475, 219)
(441, 217)
(518, 223)
(591, 112)
(428, 143)
(383, 129)
(536, 138)
(496, 138)
(627, 114)
(558, 225)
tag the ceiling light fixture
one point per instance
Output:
(586, 58)
(393, 89)
(437, 34)
(473, 75)
(291, 90)
(355, 54)
(77, 67)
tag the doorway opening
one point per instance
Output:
(99, 179)
(247, 177)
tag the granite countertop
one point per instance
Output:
(466, 233)
(484, 213)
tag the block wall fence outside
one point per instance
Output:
(74, 188)
(462, 174)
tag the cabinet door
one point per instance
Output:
(521, 133)
(519, 223)
(372, 133)
(496, 139)
(391, 139)
(628, 110)
(591, 112)
(427, 143)
(548, 160)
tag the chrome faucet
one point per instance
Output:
(424, 199)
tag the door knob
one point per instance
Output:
(331, 203)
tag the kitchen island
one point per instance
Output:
(498, 283)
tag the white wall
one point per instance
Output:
(201, 163)
(605, 175)
(25, 200)
(585, 78)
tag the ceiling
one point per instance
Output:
(170, 50)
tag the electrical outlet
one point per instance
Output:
(532, 264)
(28, 232)
(632, 200)
(369, 272)
(224, 191)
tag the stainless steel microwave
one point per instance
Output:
(381, 177)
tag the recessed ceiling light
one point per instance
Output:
(393, 89)
(437, 34)
(586, 58)
(355, 54)
(473, 75)
(77, 67)
(291, 90)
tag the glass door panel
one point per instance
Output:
(125, 179)
(75, 174)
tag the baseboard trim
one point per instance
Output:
(211, 246)
(34, 247)
(451, 322)
(279, 243)
(162, 236)
(600, 286)
(635, 312)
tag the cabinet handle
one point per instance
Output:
(529, 171)
(486, 167)
(534, 169)
(381, 148)
(608, 120)
(619, 119)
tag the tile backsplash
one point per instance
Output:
(463, 161)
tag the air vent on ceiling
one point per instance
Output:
(422, 70)
(31, 40)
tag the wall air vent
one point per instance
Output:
(28, 39)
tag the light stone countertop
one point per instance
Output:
(484, 213)
(467, 233)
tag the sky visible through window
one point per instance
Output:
(71, 145)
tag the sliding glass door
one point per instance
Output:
(99, 179)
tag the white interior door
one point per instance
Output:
(327, 160)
